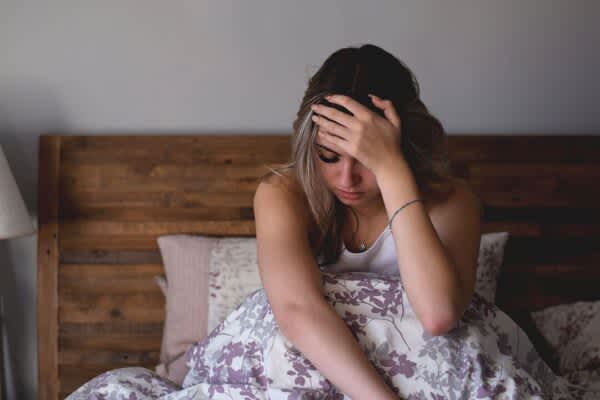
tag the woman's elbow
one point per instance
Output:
(291, 318)
(438, 326)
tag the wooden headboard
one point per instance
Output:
(103, 201)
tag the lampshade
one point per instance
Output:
(14, 217)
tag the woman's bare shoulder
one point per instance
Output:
(280, 178)
(462, 191)
(288, 183)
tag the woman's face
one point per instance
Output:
(341, 172)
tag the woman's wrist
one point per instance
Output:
(397, 174)
(391, 165)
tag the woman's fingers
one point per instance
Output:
(388, 110)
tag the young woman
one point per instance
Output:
(406, 215)
(369, 188)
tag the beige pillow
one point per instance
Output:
(186, 264)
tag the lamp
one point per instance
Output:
(14, 222)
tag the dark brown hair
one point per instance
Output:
(356, 72)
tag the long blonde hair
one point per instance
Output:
(356, 72)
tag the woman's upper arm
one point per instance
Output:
(458, 225)
(288, 270)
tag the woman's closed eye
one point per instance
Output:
(330, 159)
(327, 159)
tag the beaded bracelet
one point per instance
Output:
(398, 210)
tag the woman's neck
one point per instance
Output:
(371, 211)
(365, 224)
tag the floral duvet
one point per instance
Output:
(486, 355)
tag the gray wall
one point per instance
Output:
(197, 66)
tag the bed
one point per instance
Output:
(104, 199)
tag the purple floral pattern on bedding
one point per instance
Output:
(489, 263)
(486, 355)
(573, 331)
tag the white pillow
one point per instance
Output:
(233, 275)
(489, 263)
(573, 331)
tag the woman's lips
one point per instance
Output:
(349, 195)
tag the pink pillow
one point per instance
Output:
(186, 262)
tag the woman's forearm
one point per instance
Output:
(324, 339)
(431, 280)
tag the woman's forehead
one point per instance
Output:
(328, 148)
(324, 147)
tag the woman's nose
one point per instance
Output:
(350, 173)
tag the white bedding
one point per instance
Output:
(246, 357)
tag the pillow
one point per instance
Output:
(573, 331)
(233, 275)
(206, 277)
(489, 262)
(161, 281)
(186, 264)
(225, 271)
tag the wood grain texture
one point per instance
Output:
(105, 199)
(47, 273)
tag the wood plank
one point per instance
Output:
(575, 197)
(47, 268)
(179, 154)
(179, 199)
(121, 236)
(109, 279)
(518, 148)
(542, 229)
(127, 257)
(110, 199)
(524, 170)
(553, 271)
(118, 228)
(536, 294)
(114, 342)
(536, 184)
(552, 250)
(208, 143)
(125, 242)
(118, 328)
(138, 172)
(146, 185)
(126, 214)
(108, 357)
(86, 307)
(548, 215)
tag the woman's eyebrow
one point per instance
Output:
(326, 148)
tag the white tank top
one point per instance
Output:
(380, 257)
